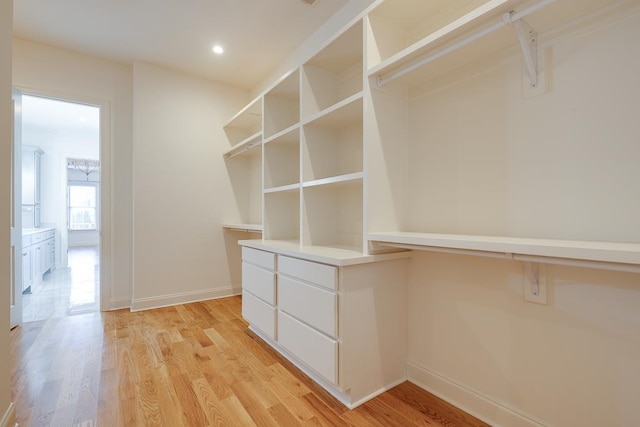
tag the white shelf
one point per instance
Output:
(345, 113)
(332, 255)
(283, 133)
(251, 228)
(282, 188)
(350, 177)
(549, 17)
(448, 31)
(611, 255)
(249, 116)
(244, 146)
(245, 124)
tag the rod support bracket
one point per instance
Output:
(528, 38)
(535, 282)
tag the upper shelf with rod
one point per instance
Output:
(407, 35)
(245, 126)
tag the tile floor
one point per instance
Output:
(66, 291)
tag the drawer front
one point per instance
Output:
(50, 234)
(312, 348)
(35, 238)
(261, 258)
(312, 272)
(259, 314)
(314, 306)
(26, 241)
(260, 282)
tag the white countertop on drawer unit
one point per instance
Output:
(339, 257)
(31, 231)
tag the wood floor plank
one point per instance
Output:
(191, 365)
(191, 408)
(256, 410)
(216, 413)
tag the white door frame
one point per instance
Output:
(15, 267)
(105, 181)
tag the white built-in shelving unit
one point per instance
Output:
(311, 143)
(464, 126)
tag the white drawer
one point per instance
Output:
(26, 241)
(312, 272)
(260, 282)
(261, 258)
(259, 314)
(50, 234)
(312, 348)
(314, 306)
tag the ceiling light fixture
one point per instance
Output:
(218, 49)
(309, 2)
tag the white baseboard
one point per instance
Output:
(9, 417)
(139, 304)
(474, 403)
(119, 303)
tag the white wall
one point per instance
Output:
(61, 73)
(6, 24)
(58, 145)
(564, 165)
(182, 189)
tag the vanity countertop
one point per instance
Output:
(31, 231)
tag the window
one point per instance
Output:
(83, 212)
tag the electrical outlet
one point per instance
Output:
(535, 282)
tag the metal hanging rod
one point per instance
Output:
(245, 149)
(507, 19)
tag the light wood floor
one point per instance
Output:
(189, 365)
(65, 291)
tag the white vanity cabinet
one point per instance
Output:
(338, 315)
(38, 255)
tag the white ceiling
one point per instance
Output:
(256, 34)
(51, 115)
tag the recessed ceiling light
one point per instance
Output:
(218, 49)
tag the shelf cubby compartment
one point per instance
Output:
(406, 32)
(282, 105)
(333, 215)
(282, 159)
(334, 74)
(333, 141)
(244, 168)
(245, 125)
(282, 214)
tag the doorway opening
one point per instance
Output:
(60, 208)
